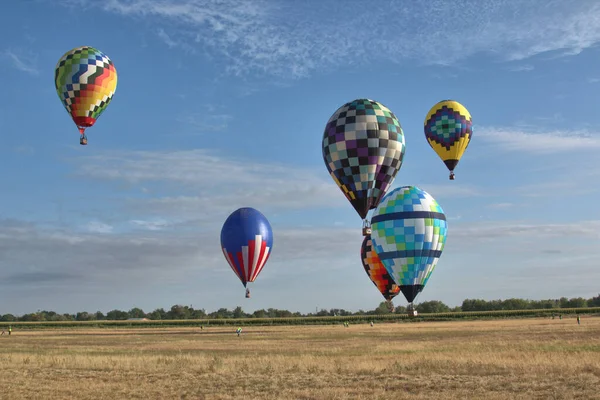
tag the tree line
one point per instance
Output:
(188, 312)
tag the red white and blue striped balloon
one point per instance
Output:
(246, 241)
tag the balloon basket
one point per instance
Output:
(366, 230)
(451, 176)
(390, 306)
(411, 311)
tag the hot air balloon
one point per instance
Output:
(85, 80)
(363, 148)
(246, 241)
(377, 272)
(448, 129)
(409, 234)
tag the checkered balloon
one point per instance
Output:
(85, 80)
(409, 233)
(363, 148)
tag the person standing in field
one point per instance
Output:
(371, 323)
(238, 331)
(9, 330)
(578, 319)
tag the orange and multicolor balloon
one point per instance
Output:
(85, 80)
(376, 270)
(448, 129)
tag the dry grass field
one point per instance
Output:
(507, 359)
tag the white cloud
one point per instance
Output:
(98, 227)
(21, 62)
(540, 142)
(151, 225)
(486, 230)
(262, 36)
(501, 206)
(449, 190)
(593, 80)
(207, 121)
(316, 265)
(522, 68)
(223, 183)
(200, 180)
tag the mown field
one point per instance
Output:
(537, 358)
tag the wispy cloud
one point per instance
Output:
(500, 206)
(260, 36)
(133, 263)
(593, 80)
(25, 150)
(207, 122)
(588, 229)
(98, 227)
(540, 142)
(21, 62)
(156, 224)
(521, 68)
(200, 180)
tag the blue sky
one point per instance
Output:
(222, 105)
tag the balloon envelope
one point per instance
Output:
(448, 129)
(409, 233)
(363, 148)
(376, 271)
(246, 241)
(85, 80)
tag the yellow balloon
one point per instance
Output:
(448, 130)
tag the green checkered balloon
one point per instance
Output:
(409, 233)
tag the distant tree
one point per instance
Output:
(543, 304)
(198, 314)
(594, 301)
(514, 304)
(136, 313)
(158, 314)
(433, 306)
(115, 315)
(260, 313)
(34, 317)
(238, 312)
(68, 317)
(400, 310)
(179, 312)
(100, 316)
(563, 302)
(577, 302)
(8, 318)
(382, 308)
(84, 316)
(221, 313)
(475, 305)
